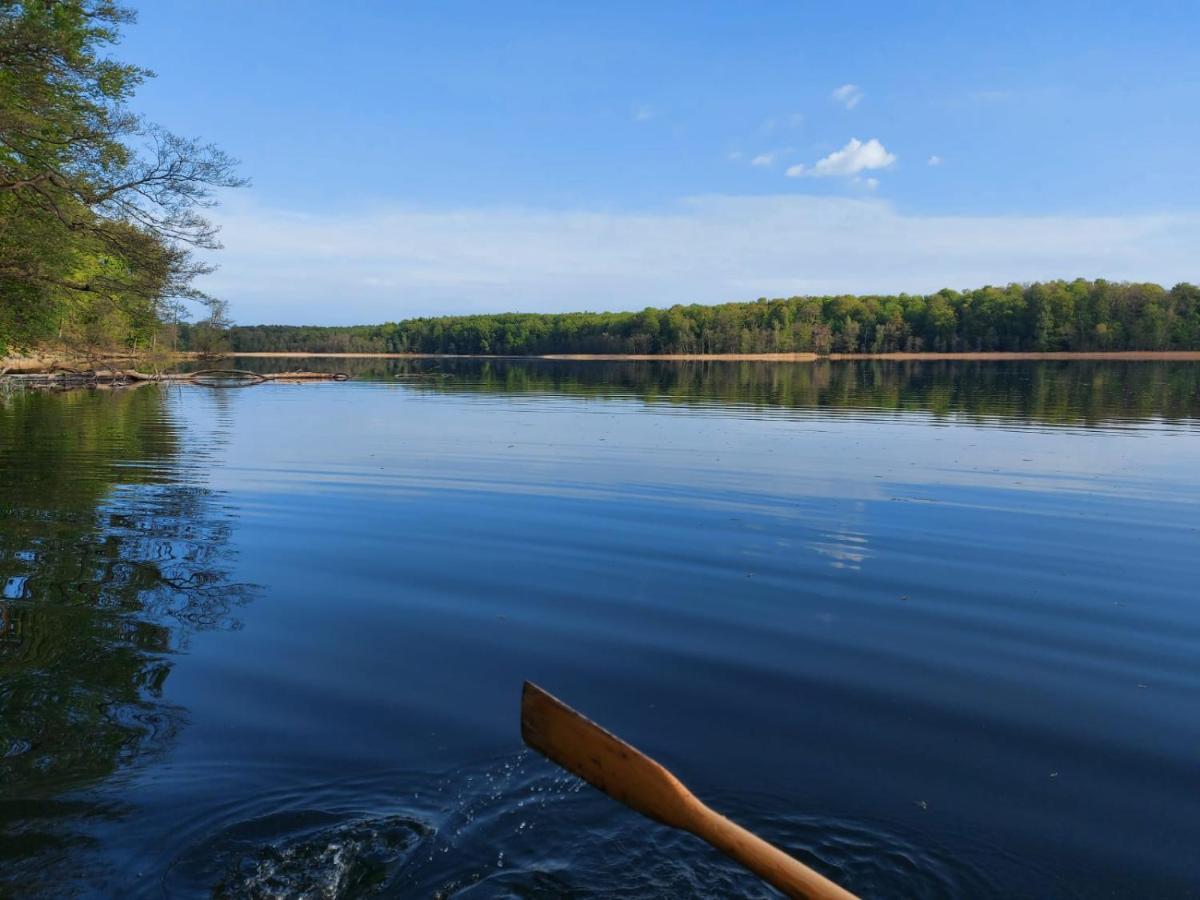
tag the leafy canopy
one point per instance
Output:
(100, 211)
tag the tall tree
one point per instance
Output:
(95, 202)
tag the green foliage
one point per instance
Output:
(98, 209)
(1058, 315)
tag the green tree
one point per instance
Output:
(96, 204)
(1057, 315)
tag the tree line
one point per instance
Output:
(1075, 315)
(99, 209)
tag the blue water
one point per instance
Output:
(933, 629)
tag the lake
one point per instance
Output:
(932, 627)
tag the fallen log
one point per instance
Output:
(306, 376)
(64, 377)
(208, 376)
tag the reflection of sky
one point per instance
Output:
(844, 545)
(983, 600)
(833, 487)
(374, 438)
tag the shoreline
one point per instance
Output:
(41, 360)
(1115, 355)
(1128, 355)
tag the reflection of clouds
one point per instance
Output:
(846, 545)
(744, 435)
(847, 550)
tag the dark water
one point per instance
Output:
(932, 628)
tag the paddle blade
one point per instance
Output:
(603, 760)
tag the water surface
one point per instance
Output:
(931, 627)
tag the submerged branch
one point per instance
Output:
(63, 377)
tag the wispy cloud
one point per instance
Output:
(642, 112)
(763, 160)
(786, 122)
(853, 158)
(848, 95)
(370, 267)
(934, 160)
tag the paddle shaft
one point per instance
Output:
(629, 776)
(765, 860)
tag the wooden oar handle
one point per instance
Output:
(767, 861)
(626, 774)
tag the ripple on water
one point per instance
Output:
(520, 828)
(311, 854)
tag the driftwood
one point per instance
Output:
(202, 375)
(62, 377)
(214, 375)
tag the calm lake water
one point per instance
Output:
(934, 628)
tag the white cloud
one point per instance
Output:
(855, 157)
(643, 113)
(383, 265)
(848, 95)
(935, 160)
(763, 159)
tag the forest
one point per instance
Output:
(1075, 315)
(99, 209)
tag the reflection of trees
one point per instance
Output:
(1048, 392)
(109, 558)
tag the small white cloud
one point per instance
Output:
(855, 157)
(935, 160)
(848, 95)
(869, 183)
(643, 112)
(765, 159)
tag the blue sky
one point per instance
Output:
(458, 157)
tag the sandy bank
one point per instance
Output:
(762, 357)
(45, 360)
(1180, 355)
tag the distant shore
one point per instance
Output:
(1178, 355)
(1133, 355)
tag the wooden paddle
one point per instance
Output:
(603, 760)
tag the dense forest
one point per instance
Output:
(99, 209)
(1056, 315)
